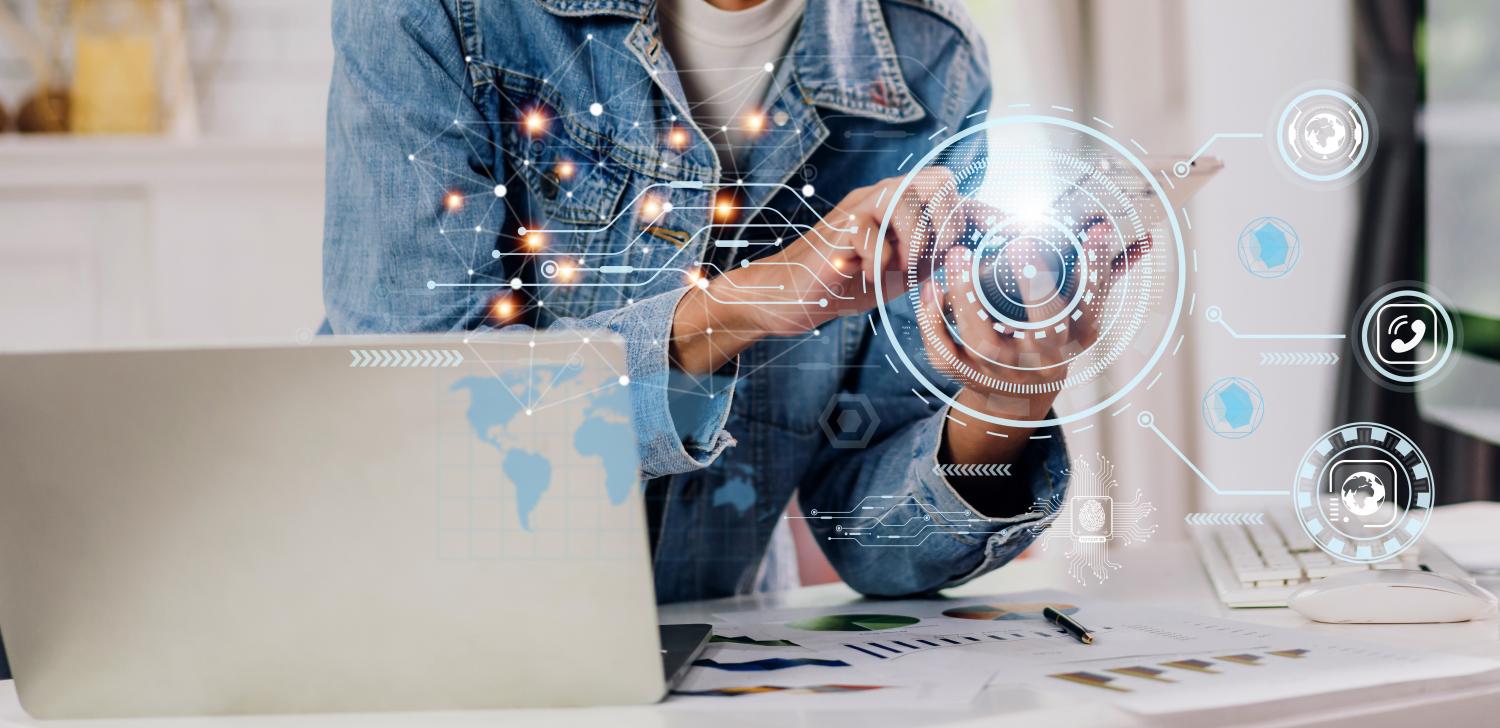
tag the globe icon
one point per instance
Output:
(1269, 247)
(1233, 408)
(1362, 493)
(1325, 133)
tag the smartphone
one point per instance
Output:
(999, 284)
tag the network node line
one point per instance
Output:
(1214, 315)
(1148, 421)
(1182, 169)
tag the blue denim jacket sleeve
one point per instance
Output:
(399, 67)
(902, 461)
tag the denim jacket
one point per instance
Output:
(431, 97)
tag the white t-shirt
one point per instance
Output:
(721, 58)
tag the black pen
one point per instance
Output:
(1068, 623)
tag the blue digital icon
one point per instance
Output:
(1269, 247)
(1324, 135)
(1233, 407)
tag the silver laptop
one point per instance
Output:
(345, 525)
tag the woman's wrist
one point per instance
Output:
(708, 333)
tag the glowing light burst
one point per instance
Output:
(1047, 232)
(535, 123)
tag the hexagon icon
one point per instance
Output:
(1233, 407)
(1269, 247)
(849, 421)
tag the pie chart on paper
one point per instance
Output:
(853, 622)
(1000, 611)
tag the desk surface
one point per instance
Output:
(1160, 573)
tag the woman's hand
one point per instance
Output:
(826, 273)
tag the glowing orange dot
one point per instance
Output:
(453, 201)
(838, 263)
(724, 209)
(755, 122)
(651, 207)
(536, 123)
(502, 309)
(565, 170)
(534, 240)
(678, 137)
(566, 270)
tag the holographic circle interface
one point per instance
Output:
(1054, 242)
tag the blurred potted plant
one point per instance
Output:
(45, 109)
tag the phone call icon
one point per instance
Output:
(1401, 329)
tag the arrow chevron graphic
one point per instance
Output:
(972, 469)
(1225, 519)
(1298, 358)
(404, 358)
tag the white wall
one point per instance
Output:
(120, 241)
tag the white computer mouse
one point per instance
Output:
(1393, 596)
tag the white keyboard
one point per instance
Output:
(1261, 565)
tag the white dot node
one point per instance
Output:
(495, 254)
(500, 190)
(666, 207)
(532, 344)
(431, 285)
(411, 157)
(569, 194)
(817, 332)
(590, 36)
(528, 413)
(710, 331)
(808, 190)
(624, 381)
(515, 284)
(521, 231)
(769, 67)
(471, 271)
(596, 108)
(703, 283)
(478, 229)
(822, 303)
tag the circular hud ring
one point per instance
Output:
(1052, 241)
(1363, 492)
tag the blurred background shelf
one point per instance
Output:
(34, 162)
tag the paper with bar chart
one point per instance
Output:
(1144, 660)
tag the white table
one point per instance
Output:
(1155, 574)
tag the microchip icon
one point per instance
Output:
(1093, 518)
